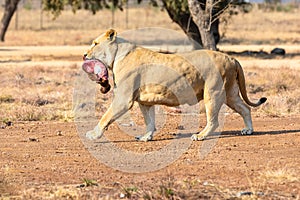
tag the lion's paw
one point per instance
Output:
(247, 131)
(94, 134)
(144, 138)
(197, 137)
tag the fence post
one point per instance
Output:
(127, 14)
(112, 16)
(16, 19)
(41, 15)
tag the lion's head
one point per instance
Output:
(103, 48)
(99, 57)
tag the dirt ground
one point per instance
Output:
(48, 160)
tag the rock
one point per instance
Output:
(33, 139)
(59, 133)
(254, 53)
(240, 194)
(278, 51)
(6, 124)
(130, 124)
(122, 196)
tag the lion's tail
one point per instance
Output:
(242, 86)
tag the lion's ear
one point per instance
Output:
(111, 34)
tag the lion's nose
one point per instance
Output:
(84, 56)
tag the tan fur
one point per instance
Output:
(150, 78)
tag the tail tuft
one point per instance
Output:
(263, 100)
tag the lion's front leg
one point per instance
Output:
(118, 107)
(98, 131)
(149, 117)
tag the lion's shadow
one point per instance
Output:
(216, 135)
(226, 134)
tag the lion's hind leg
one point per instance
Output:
(213, 104)
(149, 117)
(235, 102)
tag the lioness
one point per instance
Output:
(148, 78)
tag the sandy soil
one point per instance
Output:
(48, 159)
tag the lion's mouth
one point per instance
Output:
(97, 72)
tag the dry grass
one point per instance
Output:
(280, 86)
(270, 181)
(264, 187)
(258, 26)
(261, 27)
(37, 93)
(80, 28)
(281, 175)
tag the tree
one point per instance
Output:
(203, 19)
(178, 11)
(56, 6)
(203, 15)
(9, 9)
(199, 19)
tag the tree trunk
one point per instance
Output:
(208, 39)
(189, 27)
(187, 24)
(215, 30)
(203, 19)
(9, 10)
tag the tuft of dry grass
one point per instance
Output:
(280, 175)
(270, 181)
(37, 93)
(280, 86)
